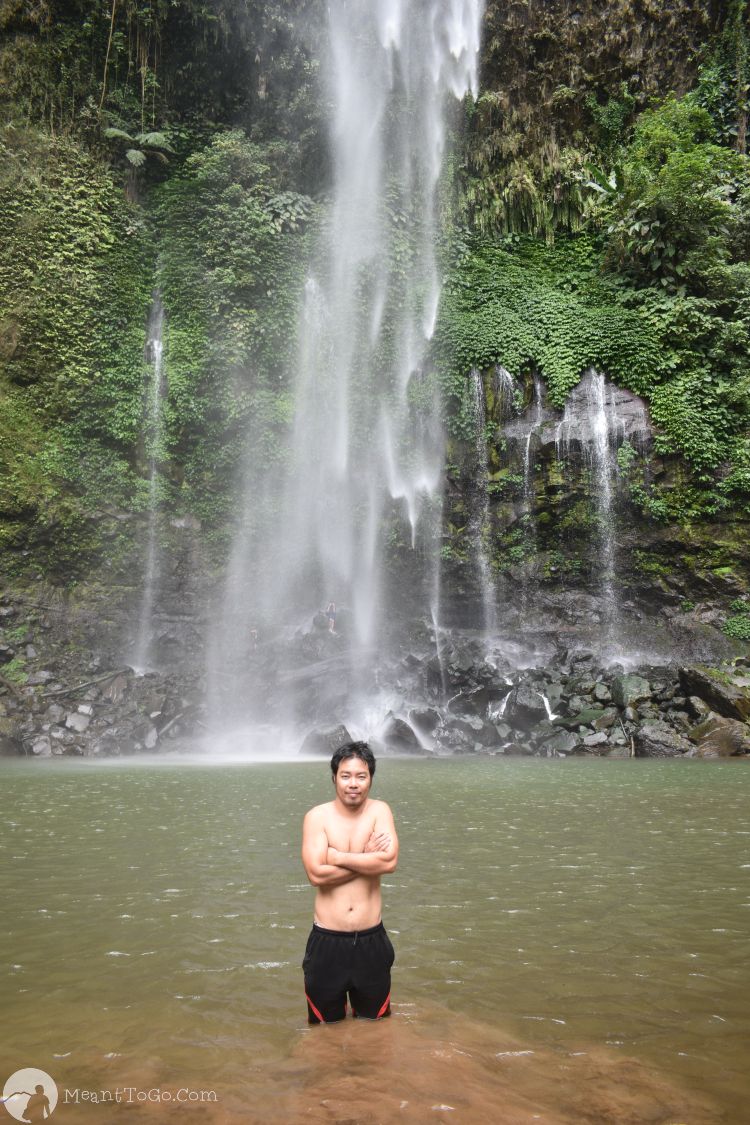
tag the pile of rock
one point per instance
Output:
(571, 707)
(112, 714)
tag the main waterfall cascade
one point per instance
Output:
(365, 464)
(367, 440)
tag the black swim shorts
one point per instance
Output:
(338, 962)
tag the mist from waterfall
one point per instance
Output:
(367, 443)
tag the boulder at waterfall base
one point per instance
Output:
(325, 741)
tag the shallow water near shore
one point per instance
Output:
(570, 936)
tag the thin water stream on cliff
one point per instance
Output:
(571, 942)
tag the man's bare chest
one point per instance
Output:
(348, 835)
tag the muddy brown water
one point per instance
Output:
(571, 944)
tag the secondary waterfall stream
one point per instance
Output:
(152, 431)
(479, 519)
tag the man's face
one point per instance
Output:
(352, 782)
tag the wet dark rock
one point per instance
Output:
(576, 704)
(525, 707)
(620, 751)
(398, 736)
(720, 737)
(698, 708)
(582, 685)
(554, 693)
(599, 738)
(726, 689)
(77, 722)
(476, 729)
(630, 689)
(36, 678)
(680, 720)
(605, 719)
(424, 719)
(562, 743)
(477, 701)
(461, 664)
(544, 729)
(10, 737)
(584, 718)
(455, 739)
(115, 689)
(659, 740)
(325, 741)
(519, 749)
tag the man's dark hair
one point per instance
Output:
(353, 750)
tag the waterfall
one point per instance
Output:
(152, 435)
(367, 442)
(367, 427)
(534, 423)
(529, 519)
(594, 422)
(504, 390)
(479, 520)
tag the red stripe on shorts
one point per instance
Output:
(315, 1010)
(384, 1009)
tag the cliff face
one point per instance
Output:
(118, 188)
(541, 58)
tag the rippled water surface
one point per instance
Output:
(571, 942)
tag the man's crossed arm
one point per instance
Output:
(328, 867)
(379, 857)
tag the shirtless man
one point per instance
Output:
(347, 844)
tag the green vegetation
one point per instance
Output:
(73, 291)
(15, 670)
(738, 626)
(526, 305)
(593, 219)
(656, 294)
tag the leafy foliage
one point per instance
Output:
(72, 311)
(523, 305)
(738, 626)
(678, 201)
(553, 310)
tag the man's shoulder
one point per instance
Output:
(319, 812)
(379, 806)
